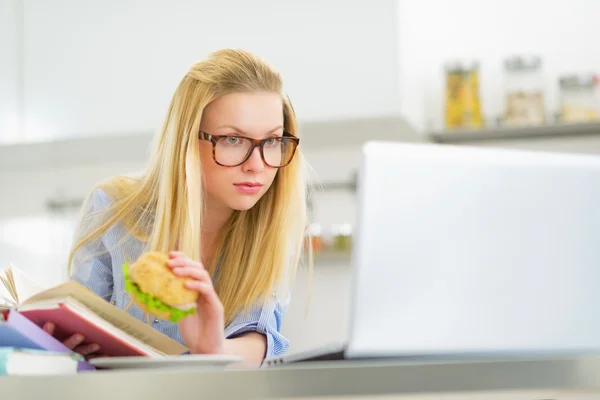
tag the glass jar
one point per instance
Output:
(524, 91)
(578, 102)
(342, 237)
(463, 103)
(316, 239)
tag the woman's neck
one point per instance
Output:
(213, 221)
(215, 216)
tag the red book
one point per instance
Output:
(70, 319)
(76, 309)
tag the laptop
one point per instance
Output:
(463, 251)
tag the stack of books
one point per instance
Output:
(25, 348)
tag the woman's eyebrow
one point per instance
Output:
(235, 128)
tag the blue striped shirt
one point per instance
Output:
(98, 266)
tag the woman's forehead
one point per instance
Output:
(249, 113)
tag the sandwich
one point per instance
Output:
(156, 290)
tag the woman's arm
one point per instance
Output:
(254, 335)
(252, 346)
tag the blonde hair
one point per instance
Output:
(257, 249)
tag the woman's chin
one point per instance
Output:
(243, 204)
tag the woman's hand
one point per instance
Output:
(74, 343)
(203, 331)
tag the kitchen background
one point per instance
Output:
(84, 85)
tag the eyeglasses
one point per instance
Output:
(231, 151)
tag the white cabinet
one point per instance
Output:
(9, 70)
(98, 67)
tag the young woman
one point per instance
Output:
(224, 196)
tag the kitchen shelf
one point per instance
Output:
(134, 148)
(332, 256)
(349, 185)
(500, 133)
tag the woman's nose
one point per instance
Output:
(254, 163)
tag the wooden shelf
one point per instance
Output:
(554, 130)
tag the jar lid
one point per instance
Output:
(461, 66)
(521, 63)
(581, 81)
(315, 229)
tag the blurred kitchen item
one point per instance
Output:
(316, 239)
(342, 237)
(578, 98)
(524, 91)
(463, 104)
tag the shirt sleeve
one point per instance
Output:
(91, 264)
(265, 318)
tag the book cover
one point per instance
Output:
(69, 320)
(22, 361)
(18, 331)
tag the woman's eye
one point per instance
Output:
(232, 140)
(271, 142)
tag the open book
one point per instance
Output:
(76, 309)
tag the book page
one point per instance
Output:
(7, 296)
(24, 286)
(5, 305)
(112, 314)
(5, 301)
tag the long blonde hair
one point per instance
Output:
(258, 248)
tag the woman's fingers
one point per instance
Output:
(87, 349)
(49, 328)
(176, 254)
(199, 286)
(183, 262)
(193, 272)
(179, 259)
(74, 341)
(206, 290)
(183, 266)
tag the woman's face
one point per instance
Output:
(256, 115)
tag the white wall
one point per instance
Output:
(431, 32)
(9, 70)
(95, 67)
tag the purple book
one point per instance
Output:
(18, 331)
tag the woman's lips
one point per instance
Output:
(248, 187)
